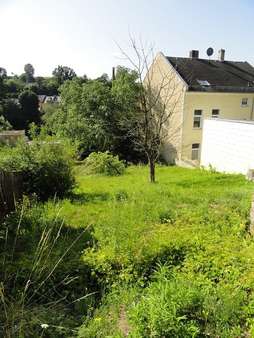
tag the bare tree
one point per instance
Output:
(159, 100)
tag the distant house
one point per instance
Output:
(199, 89)
(11, 137)
(48, 99)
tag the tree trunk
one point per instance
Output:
(152, 170)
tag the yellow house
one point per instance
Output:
(196, 89)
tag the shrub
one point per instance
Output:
(104, 163)
(178, 305)
(45, 166)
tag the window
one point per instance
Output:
(215, 113)
(197, 118)
(195, 151)
(244, 102)
(203, 83)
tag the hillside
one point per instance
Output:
(172, 259)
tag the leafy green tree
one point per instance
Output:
(63, 73)
(96, 114)
(47, 85)
(14, 86)
(29, 72)
(3, 75)
(125, 92)
(79, 116)
(32, 87)
(12, 113)
(22, 78)
(4, 124)
(104, 78)
(29, 104)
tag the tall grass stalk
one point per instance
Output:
(17, 301)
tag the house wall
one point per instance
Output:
(228, 146)
(162, 74)
(229, 105)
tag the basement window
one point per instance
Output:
(197, 118)
(215, 113)
(244, 102)
(195, 151)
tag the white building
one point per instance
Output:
(228, 146)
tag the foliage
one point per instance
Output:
(75, 121)
(179, 305)
(93, 115)
(4, 124)
(47, 85)
(169, 260)
(43, 286)
(29, 107)
(125, 92)
(194, 223)
(45, 166)
(104, 163)
(3, 75)
(14, 86)
(63, 73)
(12, 113)
(29, 72)
(22, 111)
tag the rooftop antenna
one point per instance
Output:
(209, 52)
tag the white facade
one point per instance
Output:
(228, 145)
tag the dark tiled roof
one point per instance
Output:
(226, 76)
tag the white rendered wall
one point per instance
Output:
(228, 145)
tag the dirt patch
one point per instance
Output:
(123, 324)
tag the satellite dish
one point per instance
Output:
(209, 51)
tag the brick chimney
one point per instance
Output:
(194, 54)
(221, 55)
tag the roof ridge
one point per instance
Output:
(230, 76)
(203, 59)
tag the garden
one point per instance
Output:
(115, 256)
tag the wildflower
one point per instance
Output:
(44, 326)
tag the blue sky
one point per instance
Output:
(82, 33)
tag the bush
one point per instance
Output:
(178, 305)
(104, 163)
(46, 168)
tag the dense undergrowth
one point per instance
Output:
(171, 259)
(192, 225)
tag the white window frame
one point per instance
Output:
(245, 104)
(216, 115)
(197, 116)
(195, 151)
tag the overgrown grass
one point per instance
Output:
(192, 222)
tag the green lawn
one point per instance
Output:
(193, 223)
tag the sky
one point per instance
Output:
(85, 35)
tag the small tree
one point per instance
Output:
(29, 72)
(63, 73)
(158, 96)
(29, 107)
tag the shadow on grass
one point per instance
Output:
(80, 198)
